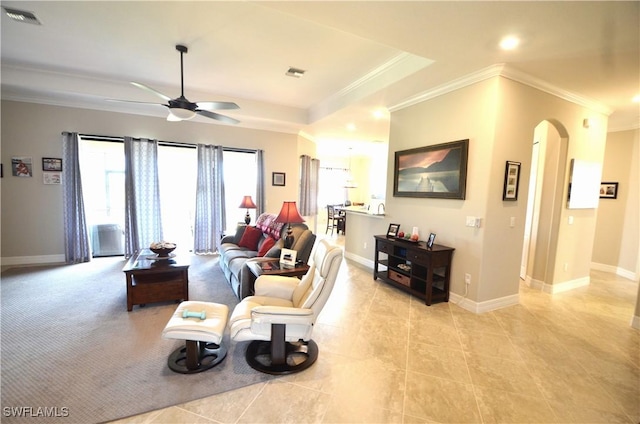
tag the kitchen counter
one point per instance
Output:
(362, 210)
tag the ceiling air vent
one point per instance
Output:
(21, 16)
(295, 72)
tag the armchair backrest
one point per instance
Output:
(316, 285)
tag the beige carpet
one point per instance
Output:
(69, 345)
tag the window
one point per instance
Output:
(240, 179)
(331, 189)
(102, 166)
(178, 173)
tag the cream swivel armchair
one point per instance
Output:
(279, 318)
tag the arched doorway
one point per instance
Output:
(544, 204)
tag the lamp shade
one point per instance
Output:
(247, 203)
(289, 214)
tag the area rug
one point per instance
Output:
(72, 353)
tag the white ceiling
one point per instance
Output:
(360, 56)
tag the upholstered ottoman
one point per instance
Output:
(201, 325)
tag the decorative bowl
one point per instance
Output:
(162, 249)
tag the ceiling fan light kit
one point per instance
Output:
(181, 109)
(179, 114)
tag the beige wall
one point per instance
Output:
(617, 230)
(32, 212)
(499, 117)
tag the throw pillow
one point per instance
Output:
(274, 252)
(266, 245)
(250, 238)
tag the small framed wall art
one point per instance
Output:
(21, 166)
(511, 181)
(608, 190)
(278, 178)
(52, 164)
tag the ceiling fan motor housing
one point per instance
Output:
(182, 103)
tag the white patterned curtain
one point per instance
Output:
(309, 173)
(260, 202)
(143, 222)
(210, 207)
(76, 239)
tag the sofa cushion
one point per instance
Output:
(250, 238)
(267, 244)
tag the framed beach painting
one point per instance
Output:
(438, 171)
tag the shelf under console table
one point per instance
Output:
(414, 268)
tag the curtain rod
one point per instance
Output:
(97, 137)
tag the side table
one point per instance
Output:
(273, 268)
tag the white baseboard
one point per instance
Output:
(33, 260)
(566, 286)
(486, 306)
(558, 287)
(359, 259)
(533, 283)
(625, 273)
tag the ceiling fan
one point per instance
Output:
(181, 109)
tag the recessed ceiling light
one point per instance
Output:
(378, 114)
(636, 98)
(351, 127)
(21, 15)
(509, 42)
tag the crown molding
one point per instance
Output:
(509, 72)
(394, 70)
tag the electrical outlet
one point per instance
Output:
(467, 279)
(365, 244)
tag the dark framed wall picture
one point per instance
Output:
(51, 164)
(393, 230)
(438, 171)
(278, 178)
(608, 190)
(511, 181)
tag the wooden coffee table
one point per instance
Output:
(273, 268)
(152, 279)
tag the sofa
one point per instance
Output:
(257, 243)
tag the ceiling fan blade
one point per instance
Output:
(217, 105)
(217, 116)
(135, 102)
(151, 90)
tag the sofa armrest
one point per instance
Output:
(235, 238)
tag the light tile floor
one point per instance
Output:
(385, 357)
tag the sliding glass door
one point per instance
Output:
(102, 166)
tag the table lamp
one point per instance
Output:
(247, 203)
(289, 215)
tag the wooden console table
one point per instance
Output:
(414, 268)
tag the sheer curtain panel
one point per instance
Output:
(143, 223)
(260, 183)
(76, 239)
(210, 207)
(309, 173)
